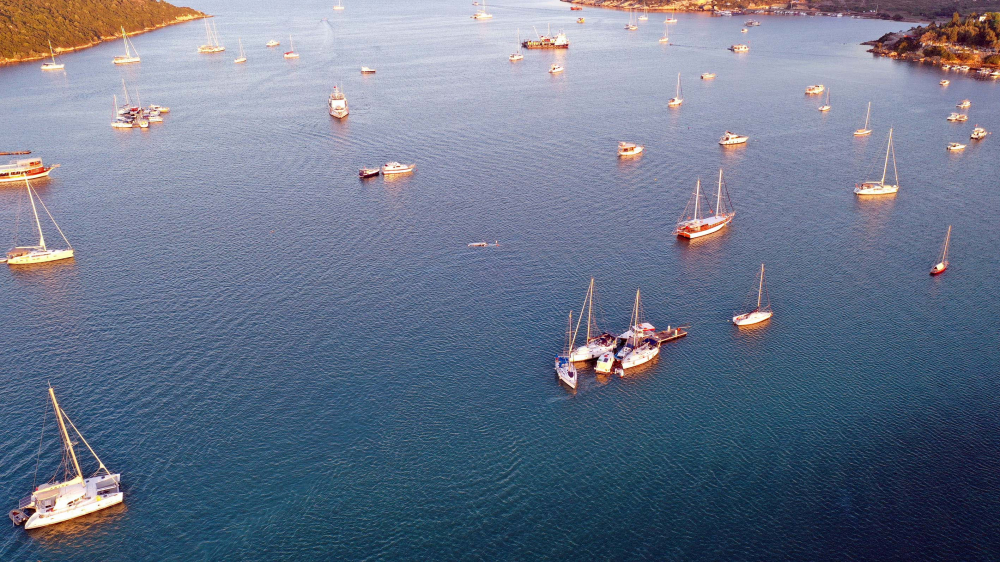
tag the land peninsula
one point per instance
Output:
(26, 26)
(973, 41)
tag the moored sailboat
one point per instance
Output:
(291, 54)
(943, 264)
(763, 310)
(243, 56)
(57, 501)
(26, 255)
(565, 369)
(516, 56)
(212, 44)
(52, 65)
(695, 226)
(865, 131)
(597, 342)
(131, 54)
(678, 98)
(880, 187)
(826, 106)
(641, 346)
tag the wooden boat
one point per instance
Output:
(390, 168)
(696, 226)
(24, 169)
(762, 312)
(943, 264)
(368, 172)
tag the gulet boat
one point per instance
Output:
(943, 264)
(364, 173)
(25, 169)
(763, 310)
(58, 501)
(956, 146)
(272, 43)
(694, 225)
(555, 69)
(28, 255)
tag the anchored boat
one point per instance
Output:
(57, 501)
(729, 139)
(565, 369)
(678, 99)
(763, 310)
(547, 42)
(26, 255)
(338, 104)
(865, 131)
(629, 149)
(695, 226)
(25, 169)
(880, 187)
(943, 264)
(212, 44)
(52, 65)
(131, 54)
(598, 342)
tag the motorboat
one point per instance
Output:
(367, 70)
(763, 310)
(815, 89)
(555, 69)
(954, 146)
(751, 23)
(28, 255)
(944, 82)
(272, 43)
(957, 117)
(606, 362)
(964, 104)
(729, 139)
(708, 76)
(58, 501)
(880, 187)
(368, 172)
(338, 104)
(629, 149)
(942, 265)
(978, 133)
(694, 225)
(740, 48)
(390, 168)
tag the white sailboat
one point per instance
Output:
(943, 264)
(880, 187)
(243, 56)
(763, 310)
(565, 369)
(26, 255)
(826, 106)
(291, 54)
(640, 346)
(696, 226)
(665, 39)
(865, 131)
(339, 6)
(645, 13)
(597, 342)
(131, 54)
(517, 55)
(119, 121)
(57, 501)
(678, 98)
(631, 22)
(52, 65)
(482, 14)
(212, 45)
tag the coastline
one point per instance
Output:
(695, 7)
(61, 50)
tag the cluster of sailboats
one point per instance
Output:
(133, 115)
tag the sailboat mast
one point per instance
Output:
(887, 149)
(947, 239)
(867, 115)
(41, 237)
(718, 199)
(590, 307)
(64, 433)
(697, 197)
(51, 52)
(760, 289)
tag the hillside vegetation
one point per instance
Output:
(26, 26)
(973, 40)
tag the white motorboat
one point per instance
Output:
(565, 369)
(880, 187)
(763, 310)
(57, 501)
(944, 82)
(964, 104)
(694, 225)
(865, 131)
(482, 14)
(27, 255)
(366, 70)
(740, 48)
(956, 146)
(629, 149)
(815, 89)
(131, 54)
(744, 30)
(708, 76)
(978, 133)
(597, 342)
(678, 99)
(272, 43)
(555, 69)
(212, 45)
(958, 117)
(390, 168)
(729, 139)
(338, 104)
(605, 362)
(52, 65)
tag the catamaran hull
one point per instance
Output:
(40, 257)
(100, 502)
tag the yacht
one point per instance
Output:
(272, 43)
(57, 501)
(641, 346)
(131, 54)
(212, 45)
(958, 117)
(631, 22)
(865, 131)
(52, 65)
(390, 168)
(25, 169)
(740, 48)
(678, 99)
(816, 89)
(942, 265)
(751, 23)
(366, 70)
(482, 14)
(729, 139)
(880, 187)
(944, 82)
(555, 69)
(516, 56)
(708, 76)
(27, 255)
(763, 310)
(598, 342)
(956, 146)
(338, 104)
(565, 369)
(629, 149)
(695, 225)
(978, 133)
(964, 104)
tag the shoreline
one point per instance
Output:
(61, 50)
(693, 8)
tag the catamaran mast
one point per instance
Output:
(41, 237)
(64, 433)
(760, 289)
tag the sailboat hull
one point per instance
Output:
(40, 256)
(751, 318)
(698, 231)
(640, 356)
(592, 350)
(875, 189)
(566, 371)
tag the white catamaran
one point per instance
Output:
(57, 501)
(763, 310)
(597, 342)
(24, 255)
(131, 54)
(695, 225)
(880, 187)
(565, 369)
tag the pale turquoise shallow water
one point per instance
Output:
(284, 362)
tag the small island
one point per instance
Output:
(28, 25)
(973, 41)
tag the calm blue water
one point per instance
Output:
(284, 362)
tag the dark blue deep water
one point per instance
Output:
(286, 363)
